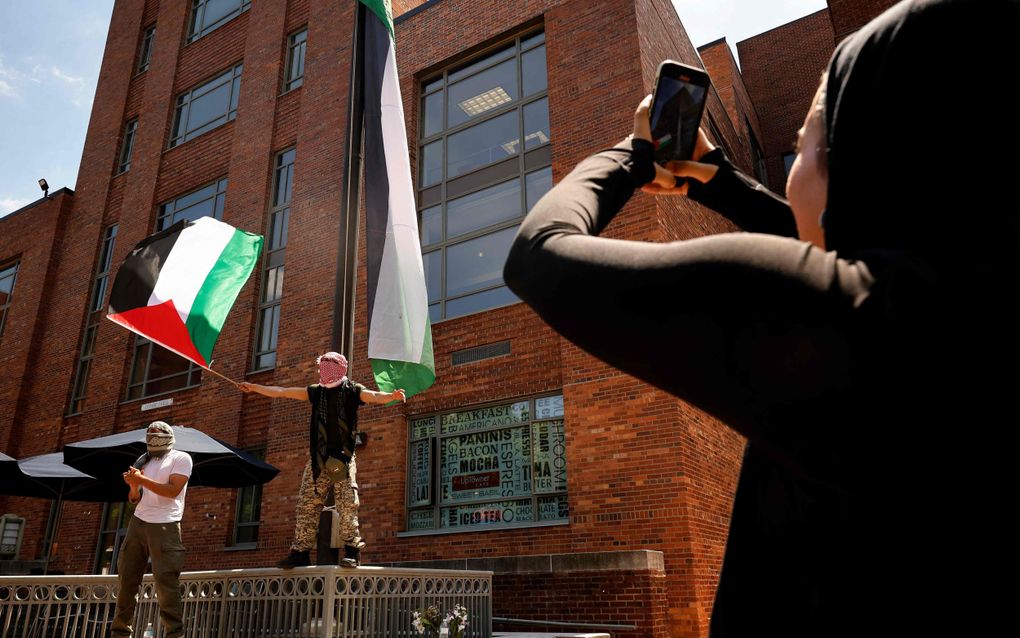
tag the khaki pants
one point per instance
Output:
(161, 542)
(310, 503)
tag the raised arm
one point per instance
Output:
(274, 392)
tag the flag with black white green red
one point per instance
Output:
(399, 332)
(177, 286)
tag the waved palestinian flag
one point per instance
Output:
(399, 333)
(177, 286)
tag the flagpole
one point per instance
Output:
(350, 195)
(226, 378)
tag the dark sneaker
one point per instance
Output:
(352, 556)
(294, 559)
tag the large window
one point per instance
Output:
(249, 511)
(484, 160)
(207, 106)
(96, 304)
(154, 369)
(8, 277)
(204, 202)
(271, 294)
(209, 15)
(112, 531)
(296, 46)
(497, 466)
(145, 52)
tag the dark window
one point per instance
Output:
(498, 466)
(8, 277)
(96, 304)
(484, 160)
(209, 15)
(296, 46)
(271, 295)
(205, 202)
(757, 156)
(249, 512)
(112, 531)
(788, 162)
(127, 146)
(207, 106)
(145, 54)
(156, 370)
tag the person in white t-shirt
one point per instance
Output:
(158, 482)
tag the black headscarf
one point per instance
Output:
(922, 137)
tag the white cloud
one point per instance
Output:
(63, 77)
(10, 204)
(7, 89)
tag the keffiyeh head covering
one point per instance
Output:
(332, 369)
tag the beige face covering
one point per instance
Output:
(159, 438)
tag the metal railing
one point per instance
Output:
(307, 602)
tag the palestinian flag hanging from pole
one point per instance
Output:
(177, 286)
(399, 332)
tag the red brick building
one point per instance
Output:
(236, 109)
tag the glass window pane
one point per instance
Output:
(433, 263)
(537, 184)
(483, 144)
(267, 323)
(209, 107)
(480, 301)
(471, 67)
(533, 40)
(486, 207)
(432, 163)
(431, 225)
(138, 366)
(164, 363)
(432, 110)
(216, 10)
(435, 313)
(265, 361)
(481, 93)
(166, 385)
(193, 198)
(433, 84)
(477, 263)
(533, 71)
(536, 123)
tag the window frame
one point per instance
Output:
(145, 50)
(273, 258)
(194, 34)
(291, 83)
(14, 265)
(232, 77)
(435, 447)
(219, 197)
(256, 492)
(127, 147)
(525, 161)
(119, 533)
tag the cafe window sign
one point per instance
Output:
(499, 465)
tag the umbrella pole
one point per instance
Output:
(56, 528)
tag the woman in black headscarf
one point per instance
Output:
(873, 382)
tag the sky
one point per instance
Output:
(51, 51)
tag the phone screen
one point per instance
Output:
(676, 115)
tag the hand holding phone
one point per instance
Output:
(677, 106)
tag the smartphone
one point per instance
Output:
(677, 105)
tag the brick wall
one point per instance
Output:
(849, 15)
(781, 69)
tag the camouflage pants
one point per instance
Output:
(310, 504)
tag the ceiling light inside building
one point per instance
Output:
(484, 101)
(511, 146)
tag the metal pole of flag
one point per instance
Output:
(347, 253)
(350, 194)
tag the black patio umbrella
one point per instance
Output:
(46, 476)
(216, 464)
